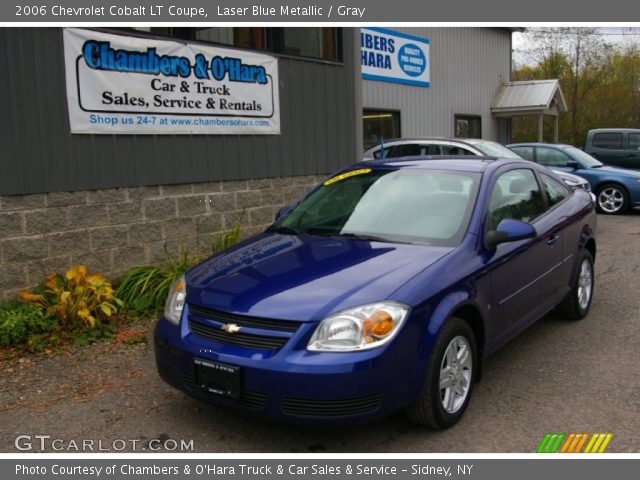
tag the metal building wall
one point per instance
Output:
(467, 67)
(38, 154)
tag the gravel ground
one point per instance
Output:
(557, 376)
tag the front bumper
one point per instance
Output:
(293, 384)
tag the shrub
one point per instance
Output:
(23, 324)
(75, 299)
(143, 290)
(227, 239)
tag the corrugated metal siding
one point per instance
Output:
(468, 66)
(318, 125)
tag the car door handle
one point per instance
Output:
(553, 239)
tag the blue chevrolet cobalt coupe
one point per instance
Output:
(382, 289)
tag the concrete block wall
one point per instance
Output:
(113, 230)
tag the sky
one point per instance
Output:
(616, 35)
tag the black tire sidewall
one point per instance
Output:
(453, 328)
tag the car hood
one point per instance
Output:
(617, 170)
(569, 176)
(304, 278)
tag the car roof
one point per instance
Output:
(613, 129)
(536, 144)
(439, 162)
(466, 141)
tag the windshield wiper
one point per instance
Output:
(310, 230)
(375, 238)
(364, 236)
(287, 230)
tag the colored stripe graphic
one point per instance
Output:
(551, 442)
(555, 442)
(567, 443)
(598, 443)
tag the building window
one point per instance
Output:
(306, 42)
(323, 43)
(245, 37)
(379, 125)
(468, 126)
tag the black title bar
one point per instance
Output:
(315, 11)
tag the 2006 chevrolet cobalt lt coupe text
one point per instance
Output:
(382, 289)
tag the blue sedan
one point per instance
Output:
(383, 289)
(616, 189)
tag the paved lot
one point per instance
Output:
(557, 376)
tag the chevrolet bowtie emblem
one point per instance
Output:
(230, 328)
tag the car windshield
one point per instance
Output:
(494, 149)
(390, 205)
(586, 160)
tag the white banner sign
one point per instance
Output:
(396, 57)
(130, 85)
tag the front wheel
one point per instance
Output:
(577, 303)
(612, 199)
(450, 377)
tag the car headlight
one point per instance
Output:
(359, 328)
(175, 300)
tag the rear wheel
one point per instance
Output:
(577, 303)
(450, 377)
(612, 199)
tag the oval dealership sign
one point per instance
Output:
(396, 57)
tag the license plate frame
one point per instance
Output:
(218, 378)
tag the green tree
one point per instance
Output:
(581, 59)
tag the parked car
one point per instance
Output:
(615, 146)
(616, 189)
(469, 146)
(383, 289)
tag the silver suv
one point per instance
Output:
(409, 147)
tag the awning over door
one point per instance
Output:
(530, 97)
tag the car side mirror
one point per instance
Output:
(573, 164)
(509, 230)
(282, 212)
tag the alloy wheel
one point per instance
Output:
(455, 374)
(610, 199)
(585, 284)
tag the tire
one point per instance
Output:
(577, 303)
(431, 408)
(612, 199)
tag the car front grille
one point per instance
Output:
(317, 407)
(251, 332)
(211, 332)
(245, 320)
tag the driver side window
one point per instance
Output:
(550, 157)
(516, 195)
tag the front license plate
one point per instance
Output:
(218, 378)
